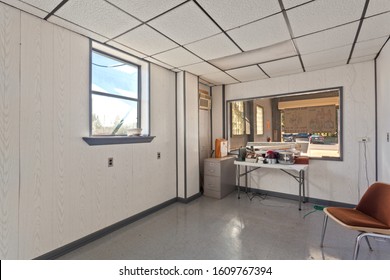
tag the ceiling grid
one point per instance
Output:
(228, 41)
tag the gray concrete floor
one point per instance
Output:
(266, 228)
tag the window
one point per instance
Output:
(119, 97)
(238, 118)
(115, 95)
(310, 120)
(259, 120)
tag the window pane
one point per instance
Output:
(238, 119)
(259, 120)
(112, 116)
(114, 76)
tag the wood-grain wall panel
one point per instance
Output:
(62, 220)
(9, 130)
(80, 185)
(67, 191)
(36, 130)
(192, 134)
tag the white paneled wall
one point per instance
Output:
(204, 132)
(188, 135)
(330, 180)
(9, 130)
(180, 123)
(383, 114)
(192, 134)
(217, 113)
(66, 190)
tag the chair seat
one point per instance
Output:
(355, 218)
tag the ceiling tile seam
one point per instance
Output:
(128, 48)
(119, 8)
(215, 22)
(263, 71)
(117, 49)
(142, 22)
(172, 67)
(326, 29)
(253, 21)
(299, 5)
(82, 27)
(62, 3)
(224, 71)
(167, 50)
(358, 30)
(10, 5)
(123, 33)
(382, 48)
(379, 14)
(167, 11)
(286, 19)
(259, 63)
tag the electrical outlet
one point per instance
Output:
(158, 155)
(110, 162)
(388, 137)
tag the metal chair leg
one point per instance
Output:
(324, 229)
(357, 244)
(368, 243)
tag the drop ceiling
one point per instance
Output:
(228, 41)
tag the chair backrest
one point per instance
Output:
(376, 202)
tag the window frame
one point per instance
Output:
(340, 114)
(262, 120)
(243, 117)
(138, 100)
(144, 111)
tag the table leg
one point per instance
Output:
(238, 180)
(303, 186)
(300, 188)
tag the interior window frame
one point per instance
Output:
(340, 110)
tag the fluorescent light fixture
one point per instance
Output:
(274, 52)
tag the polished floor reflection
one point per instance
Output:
(208, 229)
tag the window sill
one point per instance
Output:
(115, 140)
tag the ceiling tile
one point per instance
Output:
(327, 57)
(147, 40)
(325, 65)
(362, 59)
(178, 57)
(78, 29)
(200, 68)
(277, 51)
(246, 74)
(282, 67)
(262, 33)
(375, 27)
(292, 3)
(328, 39)
(323, 14)
(377, 6)
(145, 9)
(214, 47)
(371, 47)
(219, 78)
(185, 24)
(155, 61)
(26, 7)
(98, 16)
(207, 83)
(46, 5)
(232, 13)
(126, 49)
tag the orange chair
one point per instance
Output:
(371, 217)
